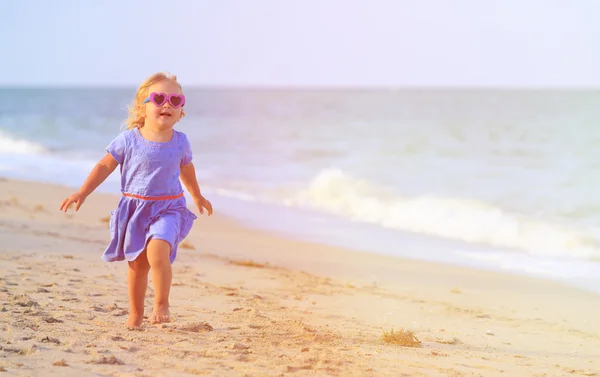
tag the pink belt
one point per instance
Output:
(168, 197)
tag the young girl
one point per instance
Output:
(152, 217)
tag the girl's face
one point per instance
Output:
(164, 104)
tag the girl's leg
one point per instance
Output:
(137, 282)
(158, 257)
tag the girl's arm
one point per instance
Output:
(188, 177)
(99, 173)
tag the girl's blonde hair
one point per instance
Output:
(136, 113)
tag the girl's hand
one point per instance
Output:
(202, 203)
(76, 198)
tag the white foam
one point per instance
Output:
(22, 159)
(10, 144)
(234, 194)
(334, 192)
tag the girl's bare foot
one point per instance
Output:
(134, 320)
(160, 314)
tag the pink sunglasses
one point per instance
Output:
(159, 99)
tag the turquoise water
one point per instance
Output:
(496, 179)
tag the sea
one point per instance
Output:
(495, 179)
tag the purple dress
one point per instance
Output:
(152, 205)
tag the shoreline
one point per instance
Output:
(371, 239)
(247, 301)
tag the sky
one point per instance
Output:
(398, 43)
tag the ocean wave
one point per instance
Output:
(334, 192)
(9, 144)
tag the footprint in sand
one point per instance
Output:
(106, 309)
(52, 320)
(23, 301)
(50, 340)
(111, 360)
(196, 327)
(291, 369)
(60, 363)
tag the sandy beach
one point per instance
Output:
(250, 303)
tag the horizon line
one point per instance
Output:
(304, 87)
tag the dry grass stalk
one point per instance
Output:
(248, 263)
(403, 338)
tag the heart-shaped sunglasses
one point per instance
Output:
(159, 99)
